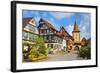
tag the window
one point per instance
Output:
(41, 25)
(55, 45)
(30, 27)
(55, 38)
(52, 37)
(42, 31)
(48, 31)
(31, 36)
(47, 37)
(60, 40)
(28, 36)
(25, 35)
(50, 45)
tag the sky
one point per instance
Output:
(65, 19)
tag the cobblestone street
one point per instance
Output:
(61, 57)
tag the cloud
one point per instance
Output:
(37, 20)
(69, 29)
(52, 17)
(59, 15)
(85, 26)
(52, 21)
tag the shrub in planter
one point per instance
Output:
(42, 49)
(33, 54)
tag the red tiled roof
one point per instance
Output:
(26, 21)
(61, 33)
(64, 33)
(48, 24)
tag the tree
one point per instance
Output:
(33, 53)
(40, 45)
(38, 48)
(85, 52)
(82, 52)
(35, 50)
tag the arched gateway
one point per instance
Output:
(76, 48)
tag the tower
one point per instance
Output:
(76, 33)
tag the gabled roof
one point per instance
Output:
(64, 33)
(83, 39)
(61, 33)
(25, 21)
(48, 24)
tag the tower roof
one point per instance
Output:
(75, 29)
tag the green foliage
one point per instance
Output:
(38, 48)
(89, 52)
(33, 53)
(25, 44)
(25, 52)
(82, 52)
(40, 45)
(85, 52)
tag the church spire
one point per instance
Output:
(75, 29)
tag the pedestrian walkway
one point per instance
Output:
(61, 57)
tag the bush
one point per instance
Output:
(85, 52)
(24, 51)
(82, 52)
(34, 53)
(35, 50)
(42, 51)
(89, 52)
(40, 45)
